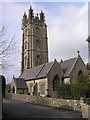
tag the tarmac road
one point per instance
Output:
(18, 109)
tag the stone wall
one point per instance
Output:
(38, 83)
(0, 98)
(86, 111)
(76, 105)
(54, 102)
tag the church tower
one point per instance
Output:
(34, 40)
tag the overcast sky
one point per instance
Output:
(67, 29)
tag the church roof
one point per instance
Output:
(42, 70)
(36, 72)
(20, 83)
(67, 66)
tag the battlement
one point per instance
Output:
(37, 19)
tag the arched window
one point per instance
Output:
(55, 83)
(37, 30)
(80, 72)
(38, 59)
(37, 44)
(42, 89)
(13, 90)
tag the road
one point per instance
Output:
(18, 109)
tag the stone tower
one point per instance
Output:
(34, 40)
(88, 40)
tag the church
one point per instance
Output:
(38, 76)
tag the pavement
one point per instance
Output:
(18, 109)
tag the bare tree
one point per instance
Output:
(8, 48)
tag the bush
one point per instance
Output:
(74, 91)
(63, 91)
(80, 88)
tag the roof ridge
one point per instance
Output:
(68, 59)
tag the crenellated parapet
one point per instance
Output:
(32, 18)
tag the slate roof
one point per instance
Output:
(36, 72)
(41, 70)
(20, 83)
(67, 66)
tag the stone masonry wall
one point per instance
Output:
(54, 102)
(77, 67)
(76, 105)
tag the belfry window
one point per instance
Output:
(37, 30)
(37, 44)
(55, 83)
(38, 59)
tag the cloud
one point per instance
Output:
(68, 32)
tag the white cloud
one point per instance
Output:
(68, 32)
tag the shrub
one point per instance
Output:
(76, 90)
(63, 91)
